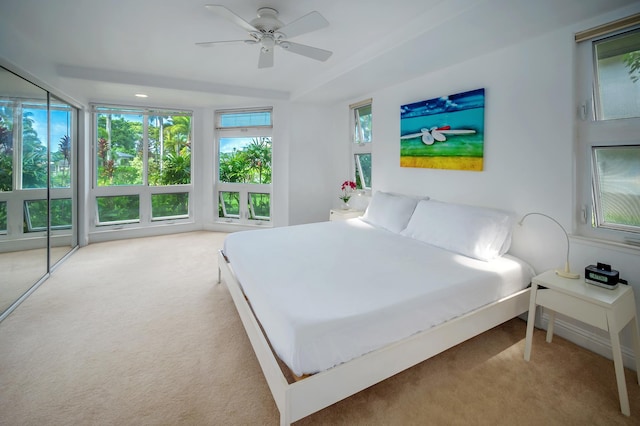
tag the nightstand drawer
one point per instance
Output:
(575, 308)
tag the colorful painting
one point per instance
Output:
(444, 133)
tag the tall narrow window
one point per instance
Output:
(34, 146)
(608, 164)
(244, 149)
(119, 149)
(3, 217)
(6, 145)
(361, 115)
(62, 128)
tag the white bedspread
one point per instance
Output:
(328, 292)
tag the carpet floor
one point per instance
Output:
(137, 332)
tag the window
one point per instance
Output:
(35, 154)
(3, 217)
(616, 184)
(617, 66)
(244, 149)
(608, 155)
(142, 165)
(361, 143)
(35, 214)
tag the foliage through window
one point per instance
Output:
(121, 145)
(35, 212)
(245, 160)
(35, 149)
(361, 116)
(118, 209)
(149, 150)
(616, 186)
(617, 62)
(33, 145)
(3, 217)
(170, 205)
(608, 157)
(244, 166)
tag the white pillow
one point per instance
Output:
(476, 232)
(390, 211)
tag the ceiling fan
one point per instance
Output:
(269, 32)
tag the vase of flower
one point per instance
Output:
(347, 188)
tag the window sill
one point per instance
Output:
(606, 244)
(235, 226)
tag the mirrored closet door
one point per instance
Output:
(37, 185)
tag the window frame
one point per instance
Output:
(598, 112)
(358, 146)
(244, 190)
(16, 200)
(599, 215)
(145, 191)
(591, 132)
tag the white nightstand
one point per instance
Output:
(609, 310)
(339, 214)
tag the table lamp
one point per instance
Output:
(567, 270)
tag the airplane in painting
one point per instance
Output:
(437, 134)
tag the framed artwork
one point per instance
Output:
(444, 133)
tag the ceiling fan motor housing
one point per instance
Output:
(267, 20)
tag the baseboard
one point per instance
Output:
(576, 332)
(109, 233)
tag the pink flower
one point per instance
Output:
(346, 188)
(348, 185)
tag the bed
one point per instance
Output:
(332, 308)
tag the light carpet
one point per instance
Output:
(137, 332)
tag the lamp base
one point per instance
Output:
(565, 274)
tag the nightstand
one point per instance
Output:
(609, 310)
(340, 214)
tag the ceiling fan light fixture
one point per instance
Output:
(268, 41)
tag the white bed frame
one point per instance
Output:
(302, 398)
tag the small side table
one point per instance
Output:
(340, 214)
(609, 310)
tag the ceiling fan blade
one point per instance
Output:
(305, 24)
(212, 43)
(266, 58)
(231, 16)
(308, 51)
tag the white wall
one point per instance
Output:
(528, 156)
(318, 158)
(528, 148)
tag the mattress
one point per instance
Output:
(328, 292)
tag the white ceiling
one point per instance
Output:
(105, 51)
